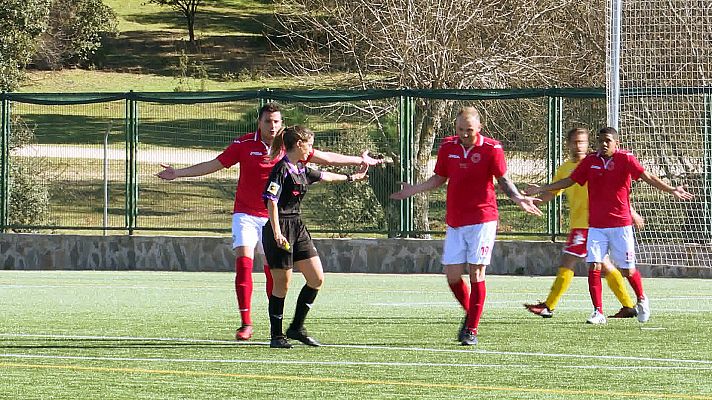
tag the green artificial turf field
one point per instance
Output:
(169, 335)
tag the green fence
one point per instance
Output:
(87, 162)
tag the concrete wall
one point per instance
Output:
(168, 253)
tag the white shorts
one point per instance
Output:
(247, 231)
(469, 244)
(618, 243)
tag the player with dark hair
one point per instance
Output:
(251, 151)
(286, 240)
(575, 250)
(470, 162)
(608, 173)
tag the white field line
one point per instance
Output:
(343, 363)
(366, 347)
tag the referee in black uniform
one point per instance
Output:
(285, 239)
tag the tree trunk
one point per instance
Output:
(433, 112)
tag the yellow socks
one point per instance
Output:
(617, 285)
(561, 284)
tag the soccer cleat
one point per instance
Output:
(463, 329)
(302, 336)
(643, 309)
(596, 318)
(244, 333)
(469, 338)
(540, 309)
(279, 342)
(624, 312)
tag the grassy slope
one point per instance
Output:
(404, 327)
(145, 54)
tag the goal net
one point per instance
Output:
(660, 98)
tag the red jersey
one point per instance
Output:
(471, 198)
(608, 187)
(253, 155)
(255, 166)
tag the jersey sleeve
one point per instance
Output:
(231, 155)
(313, 175)
(580, 173)
(273, 189)
(441, 163)
(636, 169)
(499, 164)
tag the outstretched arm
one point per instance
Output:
(408, 190)
(677, 191)
(208, 167)
(552, 187)
(526, 203)
(544, 197)
(329, 158)
(333, 177)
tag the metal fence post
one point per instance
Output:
(556, 117)
(406, 115)
(131, 170)
(707, 165)
(5, 163)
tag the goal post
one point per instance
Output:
(659, 83)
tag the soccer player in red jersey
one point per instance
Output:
(251, 151)
(608, 173)
(469, 162)
(575, 249)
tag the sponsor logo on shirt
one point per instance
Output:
(273, 188)
(256, 153)
(453, 156)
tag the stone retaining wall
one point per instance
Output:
(169, 253)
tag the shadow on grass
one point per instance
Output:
(157, 52)
(195, 133)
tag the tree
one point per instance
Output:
(438, 45)
(186, 7)
(75, 31)
(21, 23)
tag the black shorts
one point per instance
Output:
(300, 242)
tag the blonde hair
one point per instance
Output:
(288, 137)
(467, 112)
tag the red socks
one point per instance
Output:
(595, 289)
(462, 293)
(270, 282)
(636, 282)
(477, 305)
(243, 288)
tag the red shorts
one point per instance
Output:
(576, 243)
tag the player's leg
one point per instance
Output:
(281, 278)
(313, 273)
(477, 304)
(246, 234)
(306, 259)
(614, 278)
(596, 248)
(574, 250)
(480, 242)
(280, 264)
(623, 255)
(454, 261)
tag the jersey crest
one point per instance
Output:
(273, 188)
